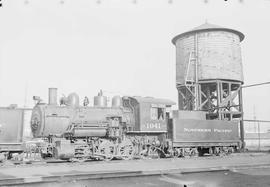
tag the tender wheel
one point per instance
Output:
(217, 151)
(211, 151)
(194, 152)
(231, 150)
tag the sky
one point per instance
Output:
(121, 46)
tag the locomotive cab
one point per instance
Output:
(150, 114)
(150, 125)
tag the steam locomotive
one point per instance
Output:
(131, 127)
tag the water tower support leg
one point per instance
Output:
(242, 130)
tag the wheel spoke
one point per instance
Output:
(126, 149)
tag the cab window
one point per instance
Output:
(157, 113)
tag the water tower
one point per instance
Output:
(209, 71)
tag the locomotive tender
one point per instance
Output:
(131, 127)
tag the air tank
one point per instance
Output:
(100, 100)
(116, 101)
(208, 52)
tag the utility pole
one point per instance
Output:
(25, 95)
(258, 128)
(259, 136)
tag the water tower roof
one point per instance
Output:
(208, 27)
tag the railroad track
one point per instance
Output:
(55, 162)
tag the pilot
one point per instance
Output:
(85, 101)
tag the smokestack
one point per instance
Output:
(52, 96)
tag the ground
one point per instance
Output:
(237, 178)
(249, 169)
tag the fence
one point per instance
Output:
(257, 135)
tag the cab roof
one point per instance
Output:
(152, 100)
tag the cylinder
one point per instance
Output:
(90, 132)
(52, 96)
(116, 101)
